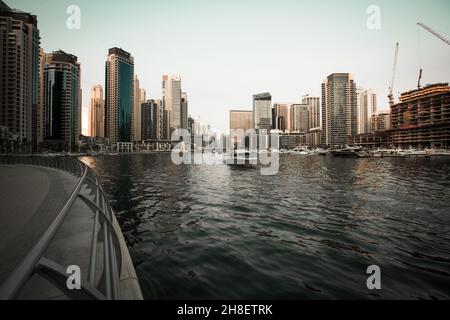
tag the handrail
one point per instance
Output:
(103, 219)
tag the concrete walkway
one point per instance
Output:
(30, 198)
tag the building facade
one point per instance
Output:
(283, 120)
(339, 112)
(184, 110)
(422, 118)
(62, 100)
(262, 111)
(241, 120)
(150, 120)
(172, 102)
(97, 113)
(19, 75)
(300, 118)
(119, 96)
(366, 108)
(314, 111)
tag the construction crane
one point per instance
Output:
(420, 79)
(434, 32)
(394, 71)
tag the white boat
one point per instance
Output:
(411, 152)
(241, 158)
(387, 153)
(300, 151)
(351, 152)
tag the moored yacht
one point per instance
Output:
(351, 152)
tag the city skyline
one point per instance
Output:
(244, 65)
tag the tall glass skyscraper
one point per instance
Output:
(62, 99)
(119, 96)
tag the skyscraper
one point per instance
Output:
(241, 120)
(97, 112)
(366, 108)
(262, 111)
(139, 99)
(314, 111)
(119, 96)
(19, 73)
(62, 99)
(150, 119)
(339, 117)
(184, 110)
(283, 116)
(299, 117)
(172, 101)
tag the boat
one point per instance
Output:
(241, 158)
(351, 152)
(411, 152)
(387, 153)
(437, 153)
(319, 152)
(300, 151)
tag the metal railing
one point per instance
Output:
(104, 232)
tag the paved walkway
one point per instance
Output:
(30, 198)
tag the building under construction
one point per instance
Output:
(422, 118)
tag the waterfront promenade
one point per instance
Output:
(54, 216)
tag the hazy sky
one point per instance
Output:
(227, 50)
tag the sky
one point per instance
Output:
(227, 50)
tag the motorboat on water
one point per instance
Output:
(411, 152)
(300, 151)
(387, 153)
(241, 158)
(319, 152)
(351, 152)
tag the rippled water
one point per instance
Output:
(221, 232)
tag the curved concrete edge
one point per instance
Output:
(129, 283)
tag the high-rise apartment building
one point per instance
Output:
(97, 112)
(184, 110)
(119, 96)
(366, 108)
(19, 75)
(262, 111)
(241, 120)
(150, 120)
(282, 116)
(299, 118)
(172, 101)
(339, 112)
(62, 99)
(314, 111)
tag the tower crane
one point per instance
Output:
(434, 32)
(394, 71)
